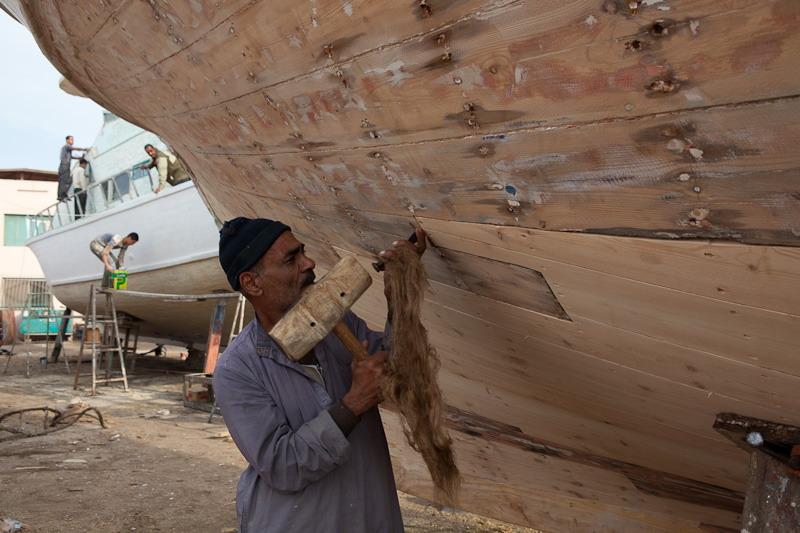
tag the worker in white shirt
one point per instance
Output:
(66, 158)
(80, 183)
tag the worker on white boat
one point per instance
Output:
(65, 159)
(80, 182)
(310, 430)
(170, 168)
(103, 247)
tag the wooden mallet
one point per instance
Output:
(320, 310)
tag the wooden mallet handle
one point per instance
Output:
(350, 341)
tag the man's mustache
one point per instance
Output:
(309, 278)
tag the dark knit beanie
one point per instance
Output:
(243, 241)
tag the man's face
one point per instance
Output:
(70, 140)
(281, 275)
(150, 151)
(127, 241)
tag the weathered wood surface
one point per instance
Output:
(660, 394)
(772, 503)
(516, 65)
(532, 140)
(566, 497)
(711, 159)
(622, 178)
(540, 360)
(745, 334)
(325, 67)
(732, 424)
(646, 479)
(755, 276)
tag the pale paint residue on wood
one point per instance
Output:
(395, 71)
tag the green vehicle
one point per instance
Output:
(41, 322)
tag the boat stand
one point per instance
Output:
(110, 343)
(773, 486)
(236, 328)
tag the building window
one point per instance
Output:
(15, 230)
(120, 186)
(19, 228)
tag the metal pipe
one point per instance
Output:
(175, 297)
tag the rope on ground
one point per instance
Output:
(61, 420)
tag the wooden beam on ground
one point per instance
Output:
(62, 332)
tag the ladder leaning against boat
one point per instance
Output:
(110, 343)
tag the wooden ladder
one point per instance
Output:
(110, 343)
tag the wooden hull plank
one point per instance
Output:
(494, 480)
(520, 65)
(755, 276)
(622, 178)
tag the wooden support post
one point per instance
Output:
(772, 500)
(214, 337)
(62, 332)
(93, 307)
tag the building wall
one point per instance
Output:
(21, 197)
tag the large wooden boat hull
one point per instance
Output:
(611, 190)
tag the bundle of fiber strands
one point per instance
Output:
(411, 377)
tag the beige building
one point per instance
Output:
(23, 192)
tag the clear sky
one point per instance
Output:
(35, 115)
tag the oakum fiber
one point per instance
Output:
(411, 382)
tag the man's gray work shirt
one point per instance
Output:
(304, 474)
(65, 156)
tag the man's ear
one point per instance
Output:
(250, 284)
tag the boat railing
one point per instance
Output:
(97, 198)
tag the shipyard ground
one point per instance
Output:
(157, 467)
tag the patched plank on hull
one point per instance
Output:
(504, 282)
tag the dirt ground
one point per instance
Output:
(158, 466)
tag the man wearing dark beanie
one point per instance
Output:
(310, 430)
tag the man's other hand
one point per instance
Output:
(365, 392)
(419, 247)
(390, 255)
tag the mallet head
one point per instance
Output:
(321, 307)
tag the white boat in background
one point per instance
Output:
(177, 248)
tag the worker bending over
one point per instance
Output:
(104, 245)
(170, 168)
(310, 430)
